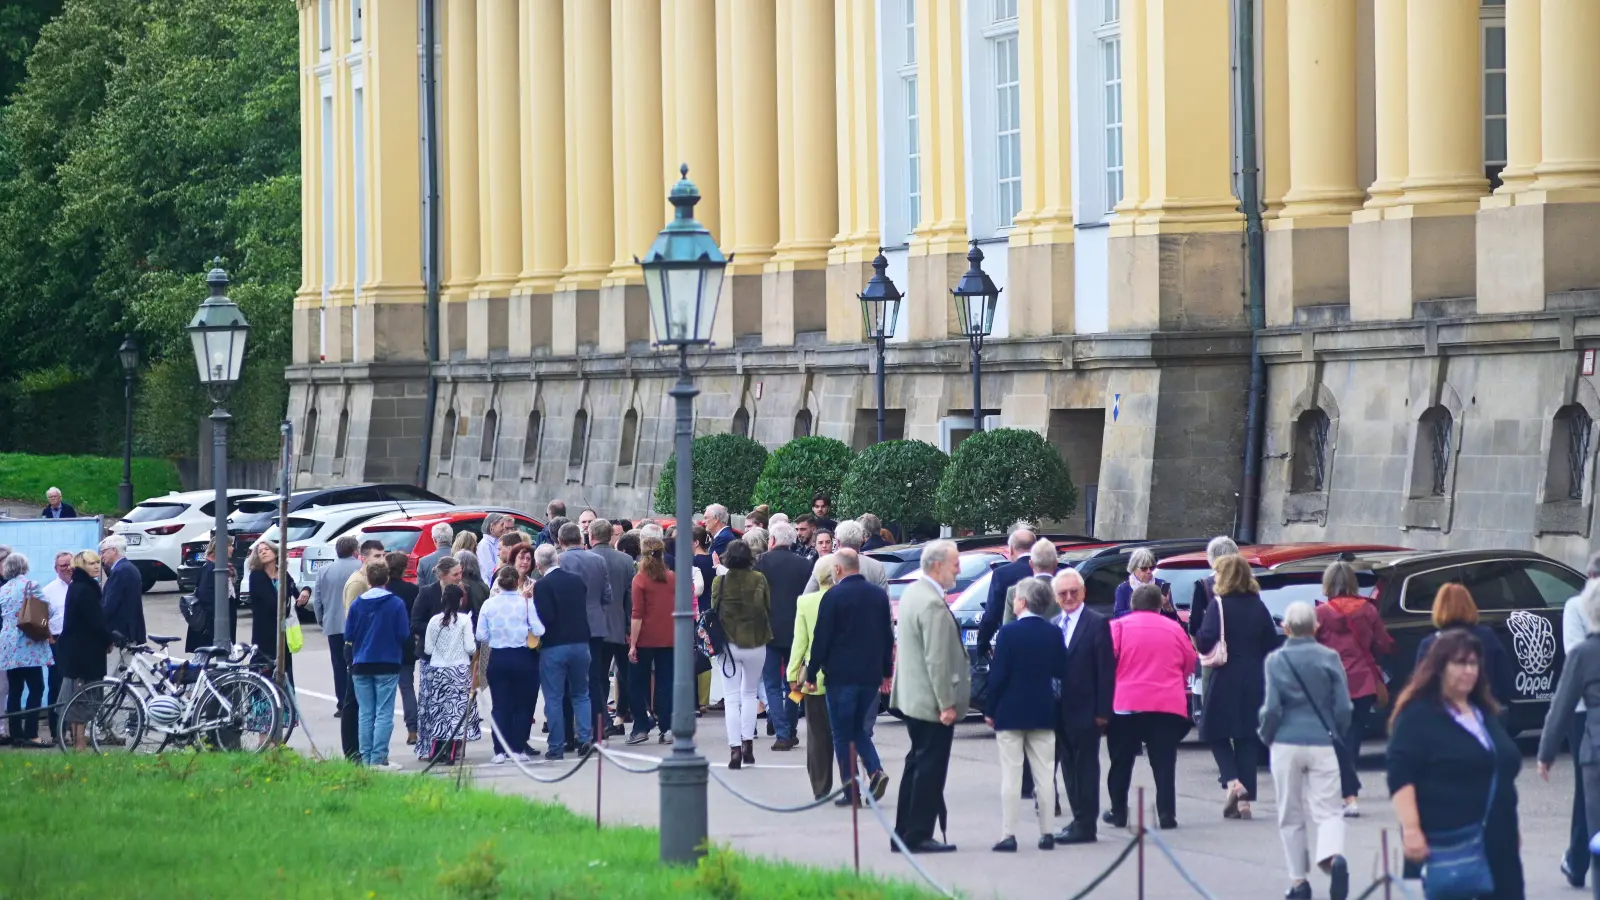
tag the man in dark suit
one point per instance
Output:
(853, 645)
(442, 535)
(597, 583)
(1029, 662)
(1001, 578)
(619, 571)
(122, 597)
(716, 519)
(54, 508)
(873, 526)
(787, 574)
(561, 599)
(1085, 705)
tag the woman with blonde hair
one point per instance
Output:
(1240, 629)
(466, 540)
(814, 706)
(84, 642)
(262, 587)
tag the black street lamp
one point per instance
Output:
(976, 297)
(128, 353)
(683, 275)
(218, 330)
(880, 311)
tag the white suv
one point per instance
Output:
(157, 528)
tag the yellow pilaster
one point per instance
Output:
(689, 104)
(1135, 118)
(747, 123)
(1389, 73)
(542, 100)
(849, 262)
(586, 49)
(1444, 74)
(795, 280)
(1571, 99)
(342, 287)
(1523, 98)
(1040, 260)
(1275, 102)
(499, 146)
(641, 176)
(459, 128)
(308, 299)
(938, 248)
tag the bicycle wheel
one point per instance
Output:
(81, 707)
(247, 710)
(290, 717)
(119, 723)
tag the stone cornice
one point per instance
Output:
(1464, 335)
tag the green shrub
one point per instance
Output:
(725, 468)
(898, 481)
(798, 470)
(89, 483)
(998, 477)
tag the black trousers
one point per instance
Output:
(1159, 734)
(624, 682)
(31, 679)
(1236, 760)
(1350, 753)
(1578, 856)
(922, 783)
(1078, 752)
(350, 726)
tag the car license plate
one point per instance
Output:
(133, 539)
(969, 637)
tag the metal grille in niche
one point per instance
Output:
(1317, 432)
(1578, 427)
(1441, 451)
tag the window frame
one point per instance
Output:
(1097, 24)
(986, 101)
(1492, 17)
(899, 146)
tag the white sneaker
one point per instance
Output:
(1352, 810)
(522, 757)
(499, 759)
(389, 767)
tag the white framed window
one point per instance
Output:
(993, 92)
(1008, 126)
(908, 82)
(356, 16)
(325, 24)
(900, 145)
(1098, 111)
(1111, 115)
(1492, 20)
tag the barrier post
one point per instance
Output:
(1140, 838)
(854, 791)
(1383, 838)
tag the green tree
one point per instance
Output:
(898, 481)
(20, 21)
(725, 468)
(800, 469)
(996, 478)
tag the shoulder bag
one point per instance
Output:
(533, 639)
(1218, 657)
(33, 619)
(1338, 742)
(1457, 867)
(189, 607)
(711, 625)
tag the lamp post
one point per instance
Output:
(128, 353)
(683, 275)
(218, 331)
(880, 311)
(976, 297)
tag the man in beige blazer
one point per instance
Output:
(932, 689)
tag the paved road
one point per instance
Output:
(1233, 859)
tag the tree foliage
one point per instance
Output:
(725, 468)
(898, 481)
(798, 470)
(996, 478)
(147, 138)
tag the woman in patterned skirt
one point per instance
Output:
(446, 693)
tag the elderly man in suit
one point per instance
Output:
(1030, 662)
(619, 571)
(1001, 579)
(1085, 705)
(932, 689)
(853, 644)
(54, 508)
(597, 583)
(442, 534)
(122, 597)
(787, 574)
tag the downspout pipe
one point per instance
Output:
(1256, 275)
(430, 222)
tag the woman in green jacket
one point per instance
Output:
(819, 737)
(741, 600)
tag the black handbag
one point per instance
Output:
(189, 608)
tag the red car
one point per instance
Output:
(414, 536)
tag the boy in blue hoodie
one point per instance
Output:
(375, 631)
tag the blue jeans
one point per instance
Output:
(852, 711)
(564, 672)
(781, 711)
(375, 696)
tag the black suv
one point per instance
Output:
(1519, 593)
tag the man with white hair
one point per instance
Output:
(442, 535)
(1205, 590)
(122, 597)
(853, 644)
(1085, 704)
(54, 508)
(852, 536)
(1043, 560)
(872, 525)
(716, 520)
(1001, 578)
(786, 574)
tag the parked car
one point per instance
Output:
(157, 528)
(975, 564)
(902, 560)
(412, 534)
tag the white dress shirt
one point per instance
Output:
(55, 596)
(1069, 622)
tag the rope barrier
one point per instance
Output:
(300, 719)
(1182, 872)
(613, 759)
(1127, 851)
(864, 791)
(718, 778)
(523, 768)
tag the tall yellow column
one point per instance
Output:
(1523, 97)
(544, 176)
(855, 28)
(1542, 245)
(1389, 74)
(391, 313)
(458, 128)
(689, 126)
(641, 175)
(938, 245)
(1275, 104)
(748, 120)
(342, 286)
(308, 299)
(1181, 267)
(586, 49)
(794, 282)
(1308, 244)
(1040, 259)
(499, 178)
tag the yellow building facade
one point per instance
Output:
(1430, 175)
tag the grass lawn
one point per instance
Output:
(214, 825)
(89, 483)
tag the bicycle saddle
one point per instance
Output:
(161, 639)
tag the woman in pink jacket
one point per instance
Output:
(1150, 704)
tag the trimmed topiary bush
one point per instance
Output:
(798, 470)
(997, 477)
(898, 481)
(725, 466)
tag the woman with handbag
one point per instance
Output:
(742, 604)
(1349, 624)
(1307, 707)
(1452, 776)
(1234, 642)
(24, 648)
(263, 587)
(509, 625)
